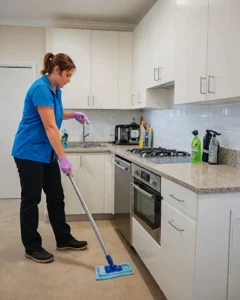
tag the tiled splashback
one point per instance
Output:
(172, 128)
(102, 126)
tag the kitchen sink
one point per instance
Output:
(91, 145)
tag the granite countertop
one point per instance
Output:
(200, 178)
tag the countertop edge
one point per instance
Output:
(199, 191)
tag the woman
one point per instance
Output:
(37, 149)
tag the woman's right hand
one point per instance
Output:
(65, 165)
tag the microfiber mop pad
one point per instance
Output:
(120, 270)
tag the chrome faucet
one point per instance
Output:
(84, 135)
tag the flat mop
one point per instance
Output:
(112, 270)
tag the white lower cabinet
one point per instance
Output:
(148, 249)
(178, 246)
(93, 173)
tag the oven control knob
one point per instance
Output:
(137, 172)
(154, 182)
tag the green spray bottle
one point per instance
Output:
(196, 151)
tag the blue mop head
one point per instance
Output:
(113, 271)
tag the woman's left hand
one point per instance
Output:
(80, 117)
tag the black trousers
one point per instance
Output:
(35, 176)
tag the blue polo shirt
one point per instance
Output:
(31, 141)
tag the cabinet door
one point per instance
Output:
(178, 245)
(91, 180)
(166, 42)
(104, 69)
(125, 69)
(75, 43)
(109, 184)
(223, 49)
(234, 257)
(72, 203)
(191, 51)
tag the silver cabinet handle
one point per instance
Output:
(159, 73)
(132, 99)
(171, 195)
(121, 167)
(88, 100)
(174, 226)
(142, 191)
(209, 79)
(154, 74)
(139, 101)
(93, 101)
(201, 79)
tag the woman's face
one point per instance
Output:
(62, 79)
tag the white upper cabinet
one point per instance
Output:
(125, 69)
(207, 50)
(75, 43)
(191, 51)
(223, 49)
(104, 69)
(161, 35)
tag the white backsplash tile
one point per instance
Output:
(172, 127)
(102, 124)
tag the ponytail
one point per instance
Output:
(63, 61)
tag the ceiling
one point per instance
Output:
(126, 13)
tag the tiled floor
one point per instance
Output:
(71, 276)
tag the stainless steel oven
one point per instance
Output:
(146, 200)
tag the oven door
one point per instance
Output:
(146, 208)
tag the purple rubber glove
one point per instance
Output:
(65, 165)
(80, 117)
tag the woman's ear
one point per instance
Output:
(56, 69)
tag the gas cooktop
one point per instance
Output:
(162, 155)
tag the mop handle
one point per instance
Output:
(89, 215)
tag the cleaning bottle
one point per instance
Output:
(146, 138)
(149, 137)
(142, 135)
(64, 138)
(206, 142)
(213, 157)
(196, 148)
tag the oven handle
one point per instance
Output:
(121, 167)
(142, 191)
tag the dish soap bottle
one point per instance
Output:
(196, 148)
(213, 156)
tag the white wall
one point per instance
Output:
(172, 128)
(25, 44)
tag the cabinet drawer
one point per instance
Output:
(178, 245)
(180, 197)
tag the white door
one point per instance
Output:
(14, 85)
(223, 49)
(76, 44)
(191, 51)
(104, 69)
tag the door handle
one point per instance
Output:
(201, 79)
(209, 83)
(88, 100)
(138, 97)
(171, 195)
(132, 99)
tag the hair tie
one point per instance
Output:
(50, 58)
